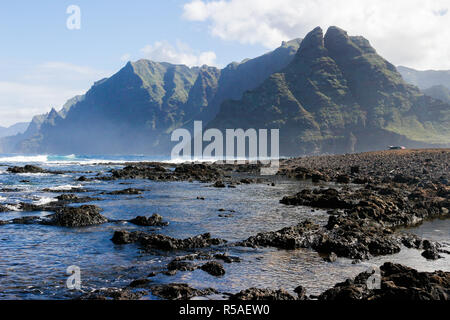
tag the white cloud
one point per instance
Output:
(414, 33)
(37, 89)
(126, 57)
(180, 53)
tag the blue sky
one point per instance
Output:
(43, 63)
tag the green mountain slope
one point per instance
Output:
(425, 79)
(438, 92)
(135, 110)
(339, 95)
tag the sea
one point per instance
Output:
(34, 258)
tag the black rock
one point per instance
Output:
(154, 220)
(83, 216)
(181, 265)
(332, 257)
(163, 242)
(213, 268)
(112, 293)
(254, 294)
(140, 283)
(397, 282)
(431, 254)
(219, 184)
(129, 191)
(179, 291)
(301, 293)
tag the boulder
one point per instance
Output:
(179, 291)
(154, 220)
(163, 242)
(255, 294)
(83, 216)
(213, 268)
(397, 282)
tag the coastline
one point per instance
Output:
(367, 204)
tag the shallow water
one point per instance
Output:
(34, 258)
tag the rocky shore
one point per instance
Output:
(368, 198)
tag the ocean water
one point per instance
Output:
(34, 258)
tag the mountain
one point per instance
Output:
(438, 92)
(14, 129)
(327, 93)
(425, 79)
(338, 95)
(135, 110)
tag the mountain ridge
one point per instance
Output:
(327, 93)
(338, 94)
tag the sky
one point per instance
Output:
(44, 61)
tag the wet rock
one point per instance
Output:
(163, 242)
(27, 220)
(125, 237)
(113, 294)
(356, 239)
(431, 254)
(354, 169)
(32, 169)
(225, 215)
(345, 237)
(154, 171)
(140, 283)
(397, 283)
(169, 243)
(319, 198)
(343, 179)
(8, 190)
(181, 265)
(4, 209)
(195, 256)
(317, 176)
(83, 216)
(402, 178)
(301, 293)
(226, 258)
(154, 220)
(72, 190)
(360, 180)
(179, 291)
(213, 268)
(199, 172)
(129, 191)
(397, 193)
(72, 198)
(303, 235)
(27, 169)
(219, 184)
(331, 257)
(255, 294)
(139, 171)
(67, 197)
(411, 241)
